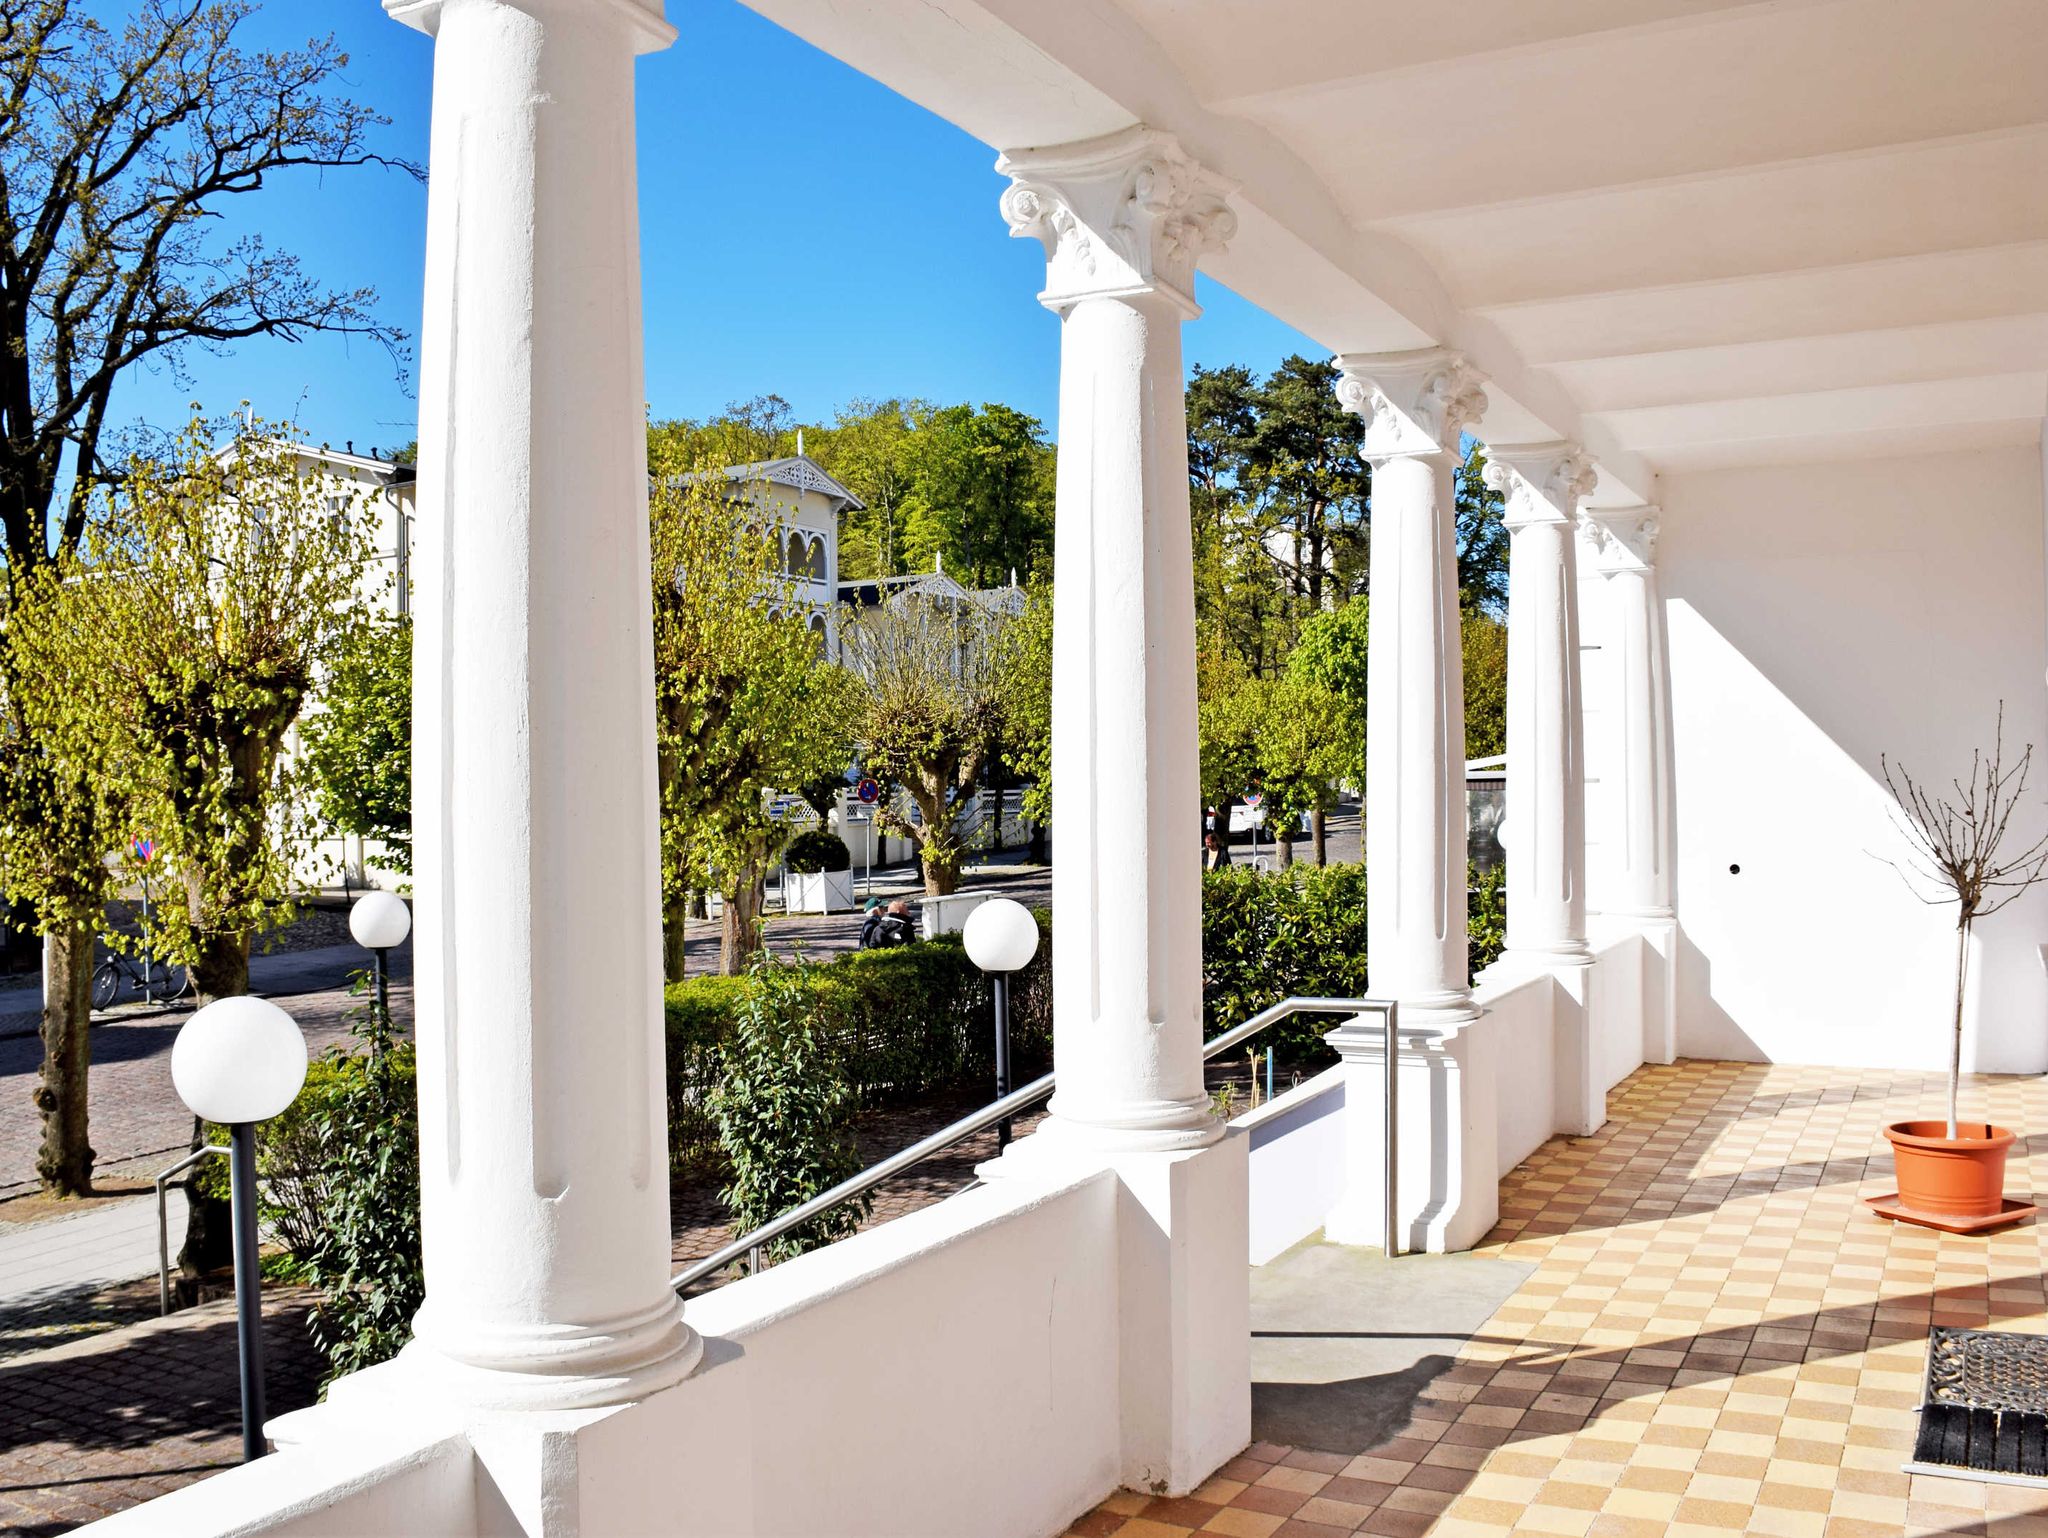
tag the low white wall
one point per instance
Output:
(342, 1488)
(1297, 1163)
(955, 1371)
(1618, 1000)
(1518, 1035)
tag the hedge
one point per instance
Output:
(899, 1023)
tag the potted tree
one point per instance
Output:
(820, 872)
(1952, 1172)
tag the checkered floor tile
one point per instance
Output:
(1718, 1336)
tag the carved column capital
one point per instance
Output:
(1543, 482)
(1413, 402)
(1621, 539)
(1126, 214)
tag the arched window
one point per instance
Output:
(795, 565)
(814, 564)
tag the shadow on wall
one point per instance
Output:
(1818, 616)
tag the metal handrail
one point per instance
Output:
(163, 1227)
(748, 1246)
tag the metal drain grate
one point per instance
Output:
(1985, 1410)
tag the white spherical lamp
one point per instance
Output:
(239, 1060)
(1001, 935)
(379, 920)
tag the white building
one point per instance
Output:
(1750, 306)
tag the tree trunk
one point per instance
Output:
(1283, 842)
(1955, 1039)
(209, 1224)
(739, 931)
(1319, 846)
(65, 1160)
(941, 871)
(675, 912)
(221, 967)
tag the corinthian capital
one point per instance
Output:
(1412, 402)
(1125, 214)
(1622, 538)
(1543, 482)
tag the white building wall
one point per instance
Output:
(1818, 616)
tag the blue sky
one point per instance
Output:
(803, 231)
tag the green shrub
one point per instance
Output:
(900, 1024)
(784, 1110)
(815, 850)
(364, 1131)
(1264, 937)
(1487, 915)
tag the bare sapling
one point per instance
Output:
(1957, 841)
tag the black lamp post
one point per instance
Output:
(1001, 938)
(379, 921)
(236, 1062)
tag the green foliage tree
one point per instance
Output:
(1485, 641)
(1332, 653)
(744, 703)
(784, 1111)
(210, 592)
(1226, 729)
(58, 819)
(1024, 671)
(1301, 457)
(931, 700)
(121, 145)
(1482, 538)
(1308, 737)
(359, 742)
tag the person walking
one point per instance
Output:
(1215, 853)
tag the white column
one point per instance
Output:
(1623, 543)
(1123, 219)
(1546, 793)
(538, 951)
(1415, 405)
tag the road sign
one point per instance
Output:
(869, 792)
(144, 850)
(1254, 799)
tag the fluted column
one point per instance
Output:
(1546, 796)
(1123, 219)
(1415, 405)
(538, 954)
(1623, 546)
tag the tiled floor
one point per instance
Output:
(1718, 1337)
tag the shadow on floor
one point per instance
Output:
(1344, 1341)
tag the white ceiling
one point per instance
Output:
(1690, 233)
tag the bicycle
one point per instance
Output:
(153, 982)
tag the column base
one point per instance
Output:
(550, 1367)
(1448, 1193)
(1153, 1126)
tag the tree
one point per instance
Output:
(58, 824)
(931, 700)
(1024, 669)
(1956, 856)
(1302, 458)
(120, 148)
(359, 742)
(744, 704)
(1482, 538)
(1307, 738)
(1331, 655)
(210, 592)
(1485, 641)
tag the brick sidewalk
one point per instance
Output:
(95, 1426)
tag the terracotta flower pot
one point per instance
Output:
(1944, 1177)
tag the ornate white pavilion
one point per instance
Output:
(1749, 304)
